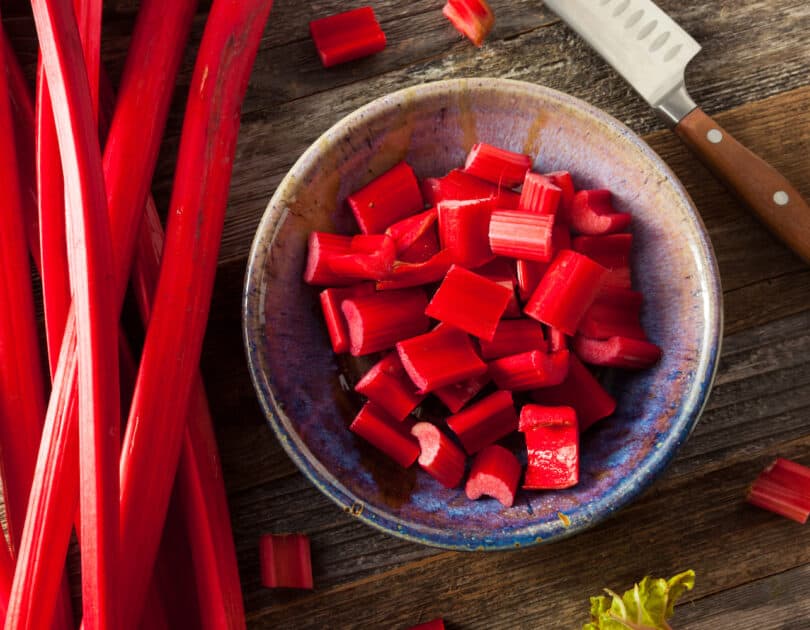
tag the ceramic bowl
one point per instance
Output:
(303, 386)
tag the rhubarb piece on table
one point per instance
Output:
(321, 248)
(552, 443)
(387, 199)
(409, 230)
(435, 624)
(439, 456)
(484, 422)
(502, 271)
(592, 213)
(377, 322)
(518, 234)
(455, 396)
(347, 36)
(331, 300)
(371, 257)
(514, 336)
(404, 274)
(459, 186)
(620, 352)
(566, 291)
(472, 18)
(385, 433)
(563, 181)
(464, 230)
(539, 195)
(495, 473)
(285, 561)
(783, 488)
(441, 357)
(614, 313)
(469, 302)
(581, 391)
(389, 387)
(530, 370)
(496, 165)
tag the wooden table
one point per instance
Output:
(753, 568)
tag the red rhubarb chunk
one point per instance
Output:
(790, 474)
(469, 302)
(557, 340)
(566, 291)
(530, 370)
(424, 248)
(464, 230)
(592, 213)
(377, 322)
(472, 18)
(514, 336)
(391, 197)
(459, 186)
(496, 165)
(455, 396)
(347, 36)
(321, 248)
(331, 300)
(618, 277)
(620, 352)
(552, 443)
(495, 473)
(539, 195)
(783, 488)
(530, 272)
(611, 251)
(379, 429)
(441, 357)
(485, 421)
(563, 181)
(285, 561)
(371, 258)
(435, 624)
(581, 391)
(389, 387)
(614, 313)
(439, 456)
(408, 231)
(404, 275)
(518, 234)
(502, 271)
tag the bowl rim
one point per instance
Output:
(627, 489)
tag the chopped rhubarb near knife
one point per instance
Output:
(371, 257)
(514, 336)
(529, 370)
(620, 352)
(387, 199)
(539, 194)
(592, 213)
(519, 234)
(378, 321)
(441, 357)
(435, 624)
(469, 302)
(472, 18)
(389, 387)
(783, 488)
(563, 181)
(455, 396)
(409, 230)
(439, 456)
(485, 421)
(496, 165)
(614, 313)
(464, 230)
(552, 443)
(459, 186)
(379, 429)
(285, 561)
(331, 300)
(404, 274)
(495, 473)
(347, 36)
(566, 291)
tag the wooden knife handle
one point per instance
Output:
(756, 183)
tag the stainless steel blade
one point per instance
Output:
(642, 43)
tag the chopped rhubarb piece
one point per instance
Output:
(285, 561)
(469, 302)
(529, 370)
(424, 248)
(618, 278)
(557, 340)
(539, 195)
(464, 230)
(502, 271)
(435, 624)
(377, 322)
(495, 473)
(404, 275)
(621, 352)
(441, 357)
(517, 234)
(563, 181)
(408, 231)
(791, 474)
(566, 291)
(614, 313)
(371, 258)
(484, 422)
(439, 456)
(530, 272)
(496, 165)
(331, 299)
(514, 336)
(592, 213)
(387, 199)
(321, 248)
(610, 251)
(457, 395)
(581, 391)
(552, 443)
(379, 429)
(459, 186)
(783, 488)
(472, 18)
(389, 387)
(347, 36)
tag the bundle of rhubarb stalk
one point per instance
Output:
(119, 445)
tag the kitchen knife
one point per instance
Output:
(651, 52)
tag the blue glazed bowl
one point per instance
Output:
(302, 385)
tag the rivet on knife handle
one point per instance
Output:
(755, 182)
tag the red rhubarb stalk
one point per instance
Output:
(557, 340)
(285, 561)
(552, 442)
(377, 322)
(502, 271)
(438, 455)
(530, 272)
(496, 473)
(331, 300)
(347, 36)
(472, 18)
(614, 313)
(388, 386)
(464, 230)
(405, 275)
(539, 195)
(592, 213)
(611, 250)
(563, 181)
(485, 421)
(514, 336)
(519, 234)
(621, 352)
(408, 231)
(783, 488)
(435, 624)
(424, 248)
(529, 370)
(496, 165)
(459, 186)
(387, 199)
(379, 429)
(370, 257)
(455, 396)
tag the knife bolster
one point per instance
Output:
(675, 105)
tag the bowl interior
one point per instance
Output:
(303, 385)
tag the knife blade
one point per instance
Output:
(651, 51)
